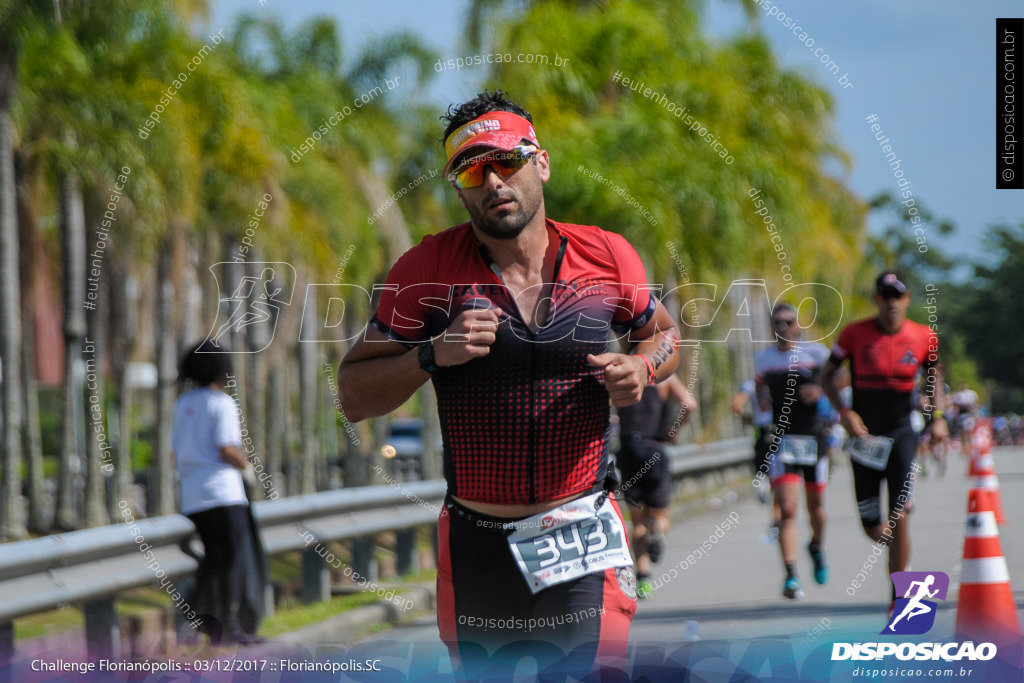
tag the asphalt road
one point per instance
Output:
(729, 599)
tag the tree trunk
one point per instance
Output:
(258, 336)
(162, 468)
(275, 410)
(73, 251)
(97, 445)
(391, 226)
(332, 449)
(11, 524)
(32, 263)
(308, 399)
(292, 457)
(38, 521)
(123, 310)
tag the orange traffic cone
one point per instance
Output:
(973, 470)
(985, 478)
(975, 446)
(985, 442)
(990, 482)
(985, 610)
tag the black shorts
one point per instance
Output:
(646, 476)
(899, 476)
(814, 476)
(488, 617)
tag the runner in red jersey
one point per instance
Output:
(889, 356)
(510, 315)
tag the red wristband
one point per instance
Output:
(650, 369)
(844, 410)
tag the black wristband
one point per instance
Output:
(426, 357)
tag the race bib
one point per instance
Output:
(799, 450)
(871, 451)
(568, 542)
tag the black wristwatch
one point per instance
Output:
(426, 355)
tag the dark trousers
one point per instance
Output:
(220, 579)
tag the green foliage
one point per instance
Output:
(233, 130)
(990, 309)
(774, 124)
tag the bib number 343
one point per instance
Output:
(570, 541)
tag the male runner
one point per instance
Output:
(930, 447)
(646, 476)
(887, 355)
(966, 402)
(509, 315)
(799, 445)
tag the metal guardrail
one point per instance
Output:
(92, 566)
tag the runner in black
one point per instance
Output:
(889, 356)
(509, 315)
(646, 476)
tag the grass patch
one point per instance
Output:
(48, 623)
(294, 618)
(130, 603)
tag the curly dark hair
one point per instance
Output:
(204, 364)
(483, 103)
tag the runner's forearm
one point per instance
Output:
(376, 386)
(661, 352)
(828, 384)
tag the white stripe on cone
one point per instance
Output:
(982, 525)
(985, 570)
(989, 482)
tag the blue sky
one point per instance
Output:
(925, 68)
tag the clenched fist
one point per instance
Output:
(624, 376)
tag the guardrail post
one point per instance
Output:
(362, 558)
(405, 552)
(102, 634)
(6, 643)
(269, 606)
(316, 578)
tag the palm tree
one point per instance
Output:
(10, 323)
(17, 18)
(640, 136)
(297, 83)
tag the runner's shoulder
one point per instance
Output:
(453, 238)
(917, 329)
(594, 240)
(442, 248)
(817, 350)
(865, 327)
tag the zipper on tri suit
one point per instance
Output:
(563, 243)
(530, 456)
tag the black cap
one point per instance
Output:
(890, 282)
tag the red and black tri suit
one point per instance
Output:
(527, 423)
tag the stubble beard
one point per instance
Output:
(509, 224)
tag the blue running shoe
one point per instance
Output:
(820, 568)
